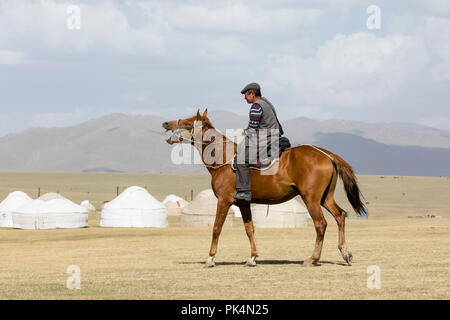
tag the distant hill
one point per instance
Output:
(116, 143)
(125, 143)
(305, 130)
(370, 157)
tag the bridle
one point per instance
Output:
(192, 133)
(177, 134)
(191, 129)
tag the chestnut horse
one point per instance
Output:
(305, 170)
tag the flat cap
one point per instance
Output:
(251, 86)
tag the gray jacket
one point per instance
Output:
(269, 118)
(268, 121)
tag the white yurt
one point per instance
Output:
(88, 206)
(174, 204)
(289, 214)
(13, 201)
(201, 212)
(50, 196)
(134, 207)
(50, 214)
(102, 206)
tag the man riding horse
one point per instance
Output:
(262, 118)
(306, 170)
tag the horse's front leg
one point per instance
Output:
(250, 230)
(221, 215)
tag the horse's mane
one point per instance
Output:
(210, 126)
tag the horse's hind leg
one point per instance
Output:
(315, 211)
(250, 230)
(339, 215)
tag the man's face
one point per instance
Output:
(249, 97)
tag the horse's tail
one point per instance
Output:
(350, 184)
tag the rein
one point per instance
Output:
(191, 130)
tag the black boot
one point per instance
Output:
(242, 195)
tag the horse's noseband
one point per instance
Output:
(178, 131)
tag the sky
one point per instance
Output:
(65, 62)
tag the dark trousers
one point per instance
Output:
(243, 171)
(257, 144)
(243, 177)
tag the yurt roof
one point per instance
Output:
(87, 205)
(39, 206)
(205, 203)
(14, 200)
(50, 196)
(175, 203)
(134, 198)
(102, 206)
(172, 198)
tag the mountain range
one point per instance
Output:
(136, 143)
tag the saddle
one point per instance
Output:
(265, 164)
(261, 164)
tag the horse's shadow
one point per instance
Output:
(267, 262)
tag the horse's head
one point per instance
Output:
(184, 130)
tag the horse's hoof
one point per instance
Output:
(250, 263)
(309, 263)
(209, 265)
(348, 258)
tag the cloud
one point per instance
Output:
(313, 58)
(41, 26)
(435, 7)
(240, 18)
(9, 57)
(436, 32)
(353, 70)
(141, 27)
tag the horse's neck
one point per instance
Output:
(223, 137)
(219, 147)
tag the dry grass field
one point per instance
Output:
(151, 263)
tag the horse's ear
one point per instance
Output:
(198, 117)
(204, 113)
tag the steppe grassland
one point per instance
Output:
(126, 263)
